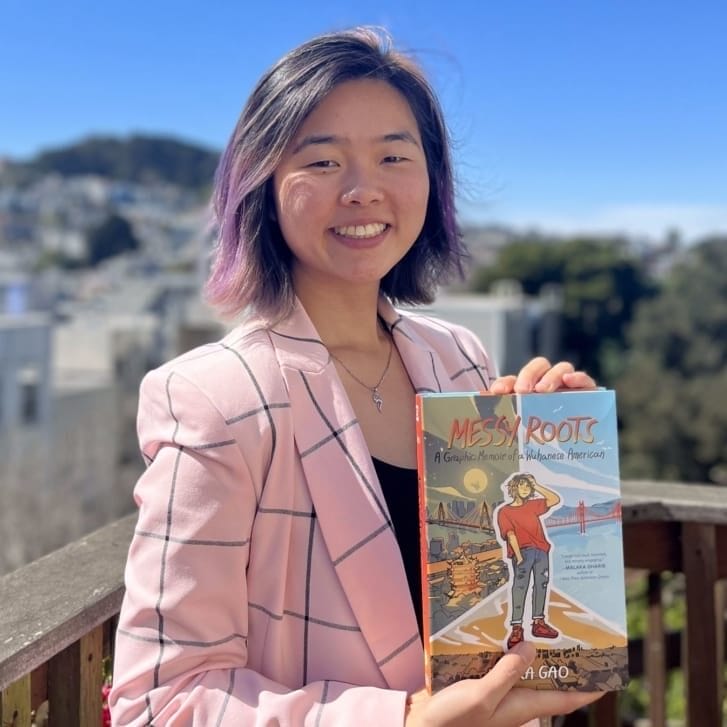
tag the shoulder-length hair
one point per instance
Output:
(251, 265)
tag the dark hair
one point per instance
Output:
(252, 263)
(520, 478)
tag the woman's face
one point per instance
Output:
(351, 190)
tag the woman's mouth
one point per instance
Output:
(361, 232)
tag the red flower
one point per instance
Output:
(105, 711)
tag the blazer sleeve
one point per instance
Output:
(181, 645)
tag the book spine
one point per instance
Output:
(424, 547)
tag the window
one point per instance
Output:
(29, 396)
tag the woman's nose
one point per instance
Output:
(361, 189)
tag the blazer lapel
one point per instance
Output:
(424, 365)
(350, 507)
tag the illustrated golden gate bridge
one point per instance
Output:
(480, 518)
(582, 514)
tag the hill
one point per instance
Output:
(136, 158)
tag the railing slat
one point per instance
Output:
(16, 703)
(75, 677)
(38, 686)
(604, 713)
(91, 677)
(64, 686)
(704, 678)
(654, 645)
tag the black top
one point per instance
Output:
(401, 491)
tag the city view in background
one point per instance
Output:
(103, 254)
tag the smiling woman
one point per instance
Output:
(274, 573)
(351, 190)
(253, 262)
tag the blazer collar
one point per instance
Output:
(299, 345)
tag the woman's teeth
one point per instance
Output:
(370, 230)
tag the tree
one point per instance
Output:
(601, 283)
(112, 237)
(673, 392)
(532, 262)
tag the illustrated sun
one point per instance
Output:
(475, 481)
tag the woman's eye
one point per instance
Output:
(394, 159)
(323, 164)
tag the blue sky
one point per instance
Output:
(566, 115)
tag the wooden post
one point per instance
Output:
(604, 712)
(654, 651)
(721, 607)
(704, 675)
(74, 682)
(64, 676)
(38, 686)
(91, 676)
(15, 709)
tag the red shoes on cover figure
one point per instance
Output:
(540, 630)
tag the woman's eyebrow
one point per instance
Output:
(400, 136)
(313, 139)
(319, 139)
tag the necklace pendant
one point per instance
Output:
(377, 399)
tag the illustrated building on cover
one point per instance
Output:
(521, 537)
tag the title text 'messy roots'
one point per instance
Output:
(498, 431)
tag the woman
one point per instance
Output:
(265, 582)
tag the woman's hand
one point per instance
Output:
(539, 376)
(493, 700)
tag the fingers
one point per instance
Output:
(529, 375)
(552, 379)
(524, 383)
(578, 380)
(474, 701)
(521, 705)
(538, 375)
(495, 699)
(500, 680)
(503, 385)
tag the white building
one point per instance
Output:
(59, 445)
(512, 326)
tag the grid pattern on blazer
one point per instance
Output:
(264, 582)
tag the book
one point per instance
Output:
(521, 537)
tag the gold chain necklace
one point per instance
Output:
(375, 393)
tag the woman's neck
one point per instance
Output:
(346, 320)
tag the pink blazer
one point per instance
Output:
(264, 584)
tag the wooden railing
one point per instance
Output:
(57, 620)
(679, 528)
(58, 614)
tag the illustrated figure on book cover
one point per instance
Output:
(520, 522)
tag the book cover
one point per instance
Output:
(521, 537)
